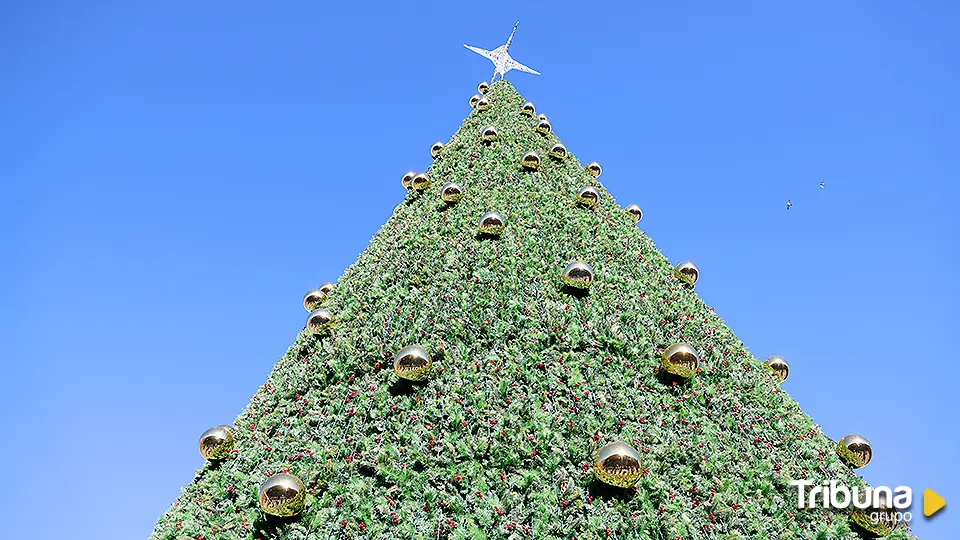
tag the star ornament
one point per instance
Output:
(502, 62)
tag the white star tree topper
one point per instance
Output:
(502, 63)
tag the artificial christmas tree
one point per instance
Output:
(529, 397)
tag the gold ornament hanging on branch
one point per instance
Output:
(421, 182)
(483, 104)
(593, 169)
(528, 109)
(407, 179)
(216, 443)
(483, 87)
(451, 192)
(491, 223)
(544, 127)
(635, 212)
(314, 299)
(688, 273)
(283, 495)
(877, 519)
(326, 287)
(588, 196)
(319, 320)
(412, 363)
(558, 151)
(435, 149)
(488, 134)
(855, 450)
(681, 359)
(578, 275)
(778, 367)
(530, 160)
(541, 117)
(474, 99)
(617, 464)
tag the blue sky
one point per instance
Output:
(175, 176)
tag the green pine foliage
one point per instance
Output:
(529, 380)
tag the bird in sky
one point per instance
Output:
(789, 204)
(502, 62)
(821, 184)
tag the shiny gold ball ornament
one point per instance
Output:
(421, 182)
(326, 287)
(530, 160)
(634, 211)
(544, 127)
(483, 87)
(688, 273)
(474, 99)
(578, 275)
(681, 359)
(435, 149)
(528, 109)
(483, 104)
(216, 443)
(319, 320)
(407, 179)
(588, 196)
(558, 151)
(855, 450)
(593, 169)
(412, 363)
(491, 223)
(541, 117)
(451, 192)
(314, 299)
(283, 494)
(778, 366)
(488, 134)
(617, 464)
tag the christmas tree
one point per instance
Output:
(467, 378)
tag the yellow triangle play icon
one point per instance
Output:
(932, 502)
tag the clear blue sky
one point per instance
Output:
(176, 175)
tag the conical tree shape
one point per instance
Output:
(530, 378)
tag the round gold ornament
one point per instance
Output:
(530, 160)
(326, 287)
(688, 273)
(541, 117)
(681, 359)
(635, 212)
(877, 519)
(407, 179)
(319, 320)
(435, 149)
(483, 104)
(578, 275)
(855, 450)
(617, 464)
(491, 223)
(216, 443)
(314, 299)
(593, 169)
(451, 192)
(282, 494)
(488, 134)
(588, 196)
(421, 182)
(544, 127)
(483, 87)
(558, 151)
(412, 363)
(528, 109)
(778, 366)
(474, 99)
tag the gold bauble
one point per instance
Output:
(319, 320)
(474, 99)
(216, 443)
(491, 223)
(541, 117)
(617, 464)
(451, 192)
(488, 134)
(544, 127)
(282, 494)
(326, 287)
(558, 151)
(483, 87)
(528, 109)
(407, 179)
(877, 519)
(588, 196)
(681, 359)
(578, 275)
(778, 366)
(688, 273)
(314, 299)
(421, 182)
(412, 363)
(635, 212)
(435, 149)
(855, 450)
(593, 169)
(483, 104)
(530, 160)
